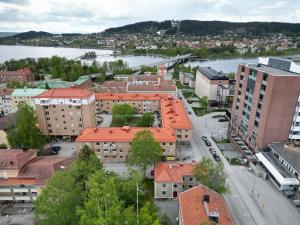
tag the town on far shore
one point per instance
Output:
(171, 141)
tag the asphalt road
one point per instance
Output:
(265, 205)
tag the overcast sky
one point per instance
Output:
(87, 16)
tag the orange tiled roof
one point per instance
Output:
(129, 96)
(172, 172)
(192, 209)
(125, 134)
(17, 181)
(173, 114)
(66, 93)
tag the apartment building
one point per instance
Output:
(65, 111)
(266, 104)
(141, 84)
(23, 174)
(201, 205)
(187, 79)
(208, 82)
(141, 102)
(24, 96)
(112, 144)
(21, 75)
(172, 178)
(6, 105)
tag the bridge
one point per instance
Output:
(169, 61)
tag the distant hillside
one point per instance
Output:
(33, 34)
(7, 34)
(202, 28)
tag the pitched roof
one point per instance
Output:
(193, 210)
(6, 91)
(43, 167)
(172, 172)
(146, 78)
(174, 114)
(152, 87)
(125, 134)
(19, 72)
(28, 92)
(129, 96)
(17, 181)
(66, 93)
(15, 159)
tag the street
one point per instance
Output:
(266, 205)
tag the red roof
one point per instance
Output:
(15, 159)
(19, 72)
(192, 208)
(6, 91)
(17, 181)
(43, 167)
(131, 96)
(66, 93)
(174, 114)
(123, 134)
(172, 172)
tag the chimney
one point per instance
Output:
(206, 198)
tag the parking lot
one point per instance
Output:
(64, 148)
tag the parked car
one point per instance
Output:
(222, 120)
(204, 138)
(189, 112)
(216, 157)
(56, 148)
(207, 143)
(289, 194)
(296, 202)
(212, 151)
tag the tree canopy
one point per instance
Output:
(86, 194)
(25, 134)
(122, 114)
(211, 175)
(144, 151)
(146, 120)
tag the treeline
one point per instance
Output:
(212, 53)
(66, 69)
(203, 28)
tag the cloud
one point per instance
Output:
(16, 2)
(96, 15)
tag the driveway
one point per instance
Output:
(168, 207)
(67, 148)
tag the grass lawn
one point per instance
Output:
(234, 161)
(133, 122)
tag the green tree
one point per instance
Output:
(146, 120)
(211, 175)
(144, 151)
(231, 76)
(203, 101)
(122, 114)
(148, 215)
(47, 85)
(25, 133)
(3, 146)
(66, 191)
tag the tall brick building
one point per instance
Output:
(21, 75)
(266, 103)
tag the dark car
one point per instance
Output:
(56, 148)
(207, 143)
(53, 152)
(189, 112)
(216, 157)
(204, 138)
(212, 150)
(289, 194)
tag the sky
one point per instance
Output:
(86, 16)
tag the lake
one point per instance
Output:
(8, 52)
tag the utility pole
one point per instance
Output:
(137, 204)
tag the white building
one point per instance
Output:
(6, 105)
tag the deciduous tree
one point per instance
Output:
(211, 175)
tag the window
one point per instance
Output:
(164, 185)
(175, 185)
(97, 143)
(190, 186)
(62, 110)
(50, 131)
(49, 125)
(191, 179)
(163, 192)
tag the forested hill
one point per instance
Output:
(202, 28)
